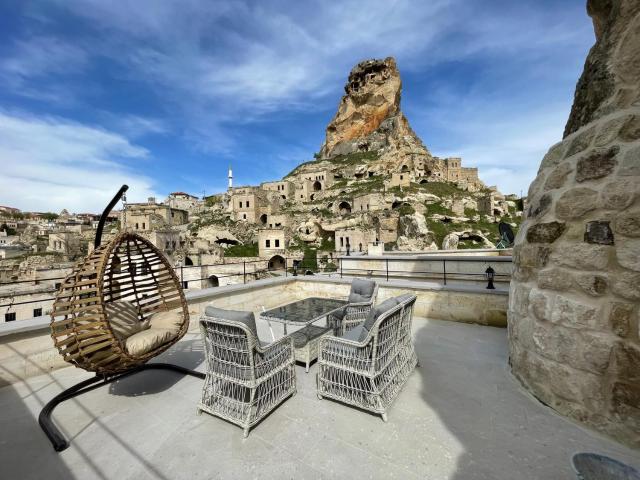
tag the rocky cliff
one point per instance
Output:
(369, 117)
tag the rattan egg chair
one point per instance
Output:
(120, 307)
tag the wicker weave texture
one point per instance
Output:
(128, 268)
(354, 315)
(371, 373)
(244, 380)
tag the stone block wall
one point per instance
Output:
(575, 296)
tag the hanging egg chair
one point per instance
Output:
(120, 307)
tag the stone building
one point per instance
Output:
(272, 244)
(309, 184)
(574, 300)
(354, 240)
(400, 179)
(275, 220)
(372, 202)
(182, 201)
(66, 243)
(167, 240)
(151, 215)
(16, 298)
(284, 188)
(247, 203)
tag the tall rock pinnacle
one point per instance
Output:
(369, 116)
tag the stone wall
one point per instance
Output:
(574, 300)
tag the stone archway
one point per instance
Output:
(423, 181)
(276, 262)
(188, 262)
(213, 281)
(317, 186)
(263, 219)
(344, 208)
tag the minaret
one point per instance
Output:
(230, 178)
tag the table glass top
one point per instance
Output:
(304, 311)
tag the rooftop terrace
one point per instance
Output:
(460, 416)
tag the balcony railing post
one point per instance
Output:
(340, 267)
(244, 271)
(444, 270)
(181, 276)
(285, 266)
(387, 262)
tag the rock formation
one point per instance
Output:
(369, 116)
(575, 294)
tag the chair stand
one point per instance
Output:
(55, 436)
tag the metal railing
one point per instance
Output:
(297, 266)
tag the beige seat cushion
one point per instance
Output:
(147, 340)
(124, 319)
(171, 320)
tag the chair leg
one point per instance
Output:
(306, 368)
(384, 417)
(246, 432)
(57, 439)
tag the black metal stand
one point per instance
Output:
(56, 437)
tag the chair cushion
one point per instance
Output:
(248, 318)
(124, 319)
(169, 319)
(355, 333)
(375, 313)
(361, 290)
(147, 340)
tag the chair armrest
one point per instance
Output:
(274, 355)
(330, 348)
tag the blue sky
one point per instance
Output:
(164, 95)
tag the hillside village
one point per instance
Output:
(373, 187)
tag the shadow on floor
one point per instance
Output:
(504, 433)
(185, 353)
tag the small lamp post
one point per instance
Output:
(348, 248)
(490, 274)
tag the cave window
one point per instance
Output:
(143, 225)
(277, 243)
(239, 204)
(267, 243)
(359, 247)
(244, 216)
(341, 241)
(247, 203)
(401, 177)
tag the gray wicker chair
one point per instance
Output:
(369, 365)
(245, 379)
(361, 298)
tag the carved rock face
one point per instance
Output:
(574, 339)
(369, 116)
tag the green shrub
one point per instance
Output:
(242, 250)
(406, 209)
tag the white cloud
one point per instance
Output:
(52, 163)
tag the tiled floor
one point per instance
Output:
(461, 416)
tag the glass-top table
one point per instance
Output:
(303, 312)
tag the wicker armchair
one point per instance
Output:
(369, 365)
(245, 379)
(361, 298)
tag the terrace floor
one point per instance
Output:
(461, 416)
